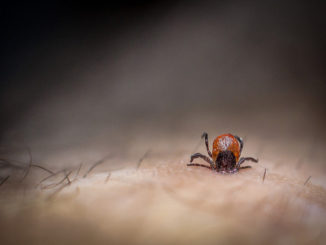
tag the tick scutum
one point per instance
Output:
(225, 161)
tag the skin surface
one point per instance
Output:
(142, 196)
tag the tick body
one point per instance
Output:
(225, 156)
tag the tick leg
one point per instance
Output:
(199, 155)
(198, 165)
(243, 159)
(205, 135)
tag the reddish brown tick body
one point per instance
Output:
(225, 157)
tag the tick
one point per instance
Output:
(225, 157)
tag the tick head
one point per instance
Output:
(226, 162)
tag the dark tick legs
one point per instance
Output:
(243, 159)
(198, 165)
(212, 164)
(205, 135)
(198, 155)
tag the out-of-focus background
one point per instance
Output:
(122, 91)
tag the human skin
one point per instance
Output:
(150, 195)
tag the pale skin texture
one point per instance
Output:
(164, 201)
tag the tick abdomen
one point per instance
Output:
(226, 142)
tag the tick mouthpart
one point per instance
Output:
(226, 170)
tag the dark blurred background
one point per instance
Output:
(75, 72)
